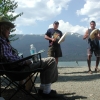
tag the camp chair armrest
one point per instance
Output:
(18, 61)
(23, 59)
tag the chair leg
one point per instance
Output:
(13, 94)
(33, 85)
(0, 85)
(11, 82)
(4, 81)
(6, 87)
(22, 89)
(18, 89)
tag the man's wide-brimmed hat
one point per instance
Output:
(5, 20)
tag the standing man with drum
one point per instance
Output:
(53, 35)
(93, 46)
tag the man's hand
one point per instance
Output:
(98, 35)
(48, 38)
(28, 62)
(95, 35)
(86, 35)
(53, 40)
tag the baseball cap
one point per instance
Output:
(56, 22)
(5, 20)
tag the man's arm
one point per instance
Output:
(98, 35)
(7, 54)
(47, 36)
(86, 35)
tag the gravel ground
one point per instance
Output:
(79, 83)
(73, 84)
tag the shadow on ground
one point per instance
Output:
(22, 96)
(84, 72)
(85, 77)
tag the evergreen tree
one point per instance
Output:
(7, 9)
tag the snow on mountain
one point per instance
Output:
(74, 34)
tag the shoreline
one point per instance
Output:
(76, 64)
(75, 67)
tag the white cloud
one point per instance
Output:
(67, 27)
(84, 19)
(17, 32)
(39, 10)
(91, 9)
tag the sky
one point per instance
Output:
(72, 15)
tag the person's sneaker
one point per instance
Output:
(97, 70)
(40, 92)
(90, 72)
(52, 94)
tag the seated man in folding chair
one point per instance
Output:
(48, 75)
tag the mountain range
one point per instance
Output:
(74, 48)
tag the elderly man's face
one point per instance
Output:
(6, 31)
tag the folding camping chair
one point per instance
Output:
(12, 76)
(4, 81)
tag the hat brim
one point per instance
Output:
(8, 23)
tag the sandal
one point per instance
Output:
(90, 72)
(97, 70)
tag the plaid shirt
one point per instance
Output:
(6, 51)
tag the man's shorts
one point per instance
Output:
(54, 51)
(96, 53)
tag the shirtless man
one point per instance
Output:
(90, 49)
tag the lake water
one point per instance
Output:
(75, 64)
